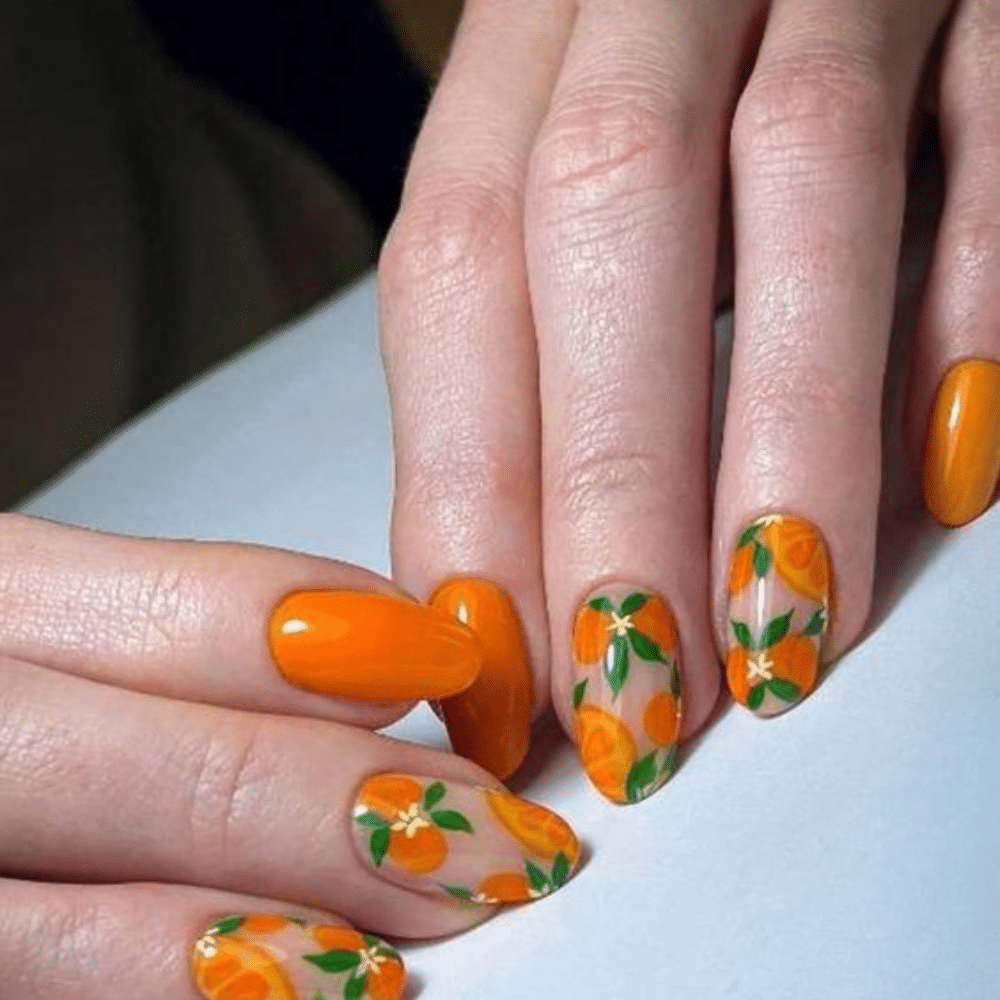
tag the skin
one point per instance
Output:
(547, 297)
(137, 685)
(547, 294)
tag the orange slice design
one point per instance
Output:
(800, 557)
(242, 970)
(741, 569)
(539, 830)
(506, 887)
(655, 620)
(607, 750)
(590, 636)
(661, 719)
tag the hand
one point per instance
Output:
(547, 299)
(184, 785)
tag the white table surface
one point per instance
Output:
(848, 850)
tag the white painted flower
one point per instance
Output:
(620, 624)
(768, 519)
(410, 820)
(370, 961)
(207, 947)
(759, 667)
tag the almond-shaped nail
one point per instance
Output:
(371, 647)
(779, 612)
(962, 459)
(478, 845)
(627, 691)
(490, 722)
(268, 956)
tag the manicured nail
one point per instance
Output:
(627, 691)
(962, 461)
(371, 647)
(490, 722)
(266, 956)
(475, 844)
(779, 611)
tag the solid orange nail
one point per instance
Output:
(371, 647)
(490, 723)
(962, 461)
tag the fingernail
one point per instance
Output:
(779, 611)
(627, 691)
(266, 956)
(962, 461)
(371, 647)
(479, 845)
(490, 722)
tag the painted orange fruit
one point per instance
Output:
(655, 620)
(242, 970)
(538, 829)
(419, 849)
(386, 981)
(264, 923)
(800, 557)
(741, 570)
(591, 635)
(662, 719)
(794, 659)
(506, 887)
(607, 750)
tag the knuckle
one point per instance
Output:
(599, 473)
(609, 143)
(228, 784)
(447, 234)
(814, 106)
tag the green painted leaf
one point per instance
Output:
(228, 925)
(560, 870)
(538, 879)
(460, 892)
(338, 960)
(785, 690)
(644, 647)
(756, 697)
(371, 820)
(372, 941)
(777, 629)
(448, 819)
(817, 623)
(747, 535)
(616, 672)
(318, 996)
(354, 988)
(379, 845)
(669, 763)
(433, 795)
(761, 559)
(299, 921)
(578, 692)
(675, 680)
(633, 602)
(640, 777)
(601, 604)
(743, 636)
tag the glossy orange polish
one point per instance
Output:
(490, 722)
(371, 647)
(962, 460)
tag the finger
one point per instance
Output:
(68, 942)
(621, 239)
(955, 402)
(819, 166)
(460, 356)
(305, 810)
(237, 625)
